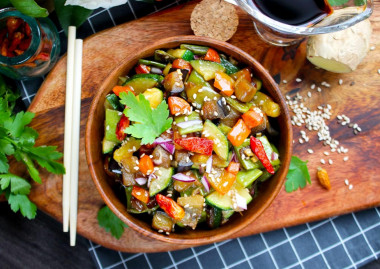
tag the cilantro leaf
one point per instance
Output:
(6, 147)
(33, 172)
(16, 126)
(149, 123)
(110, 222)
(4, 166)
(21, 202)
(18, 184)
(298, 175)
(45, 156)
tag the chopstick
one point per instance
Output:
(75, 140)
(68, 127)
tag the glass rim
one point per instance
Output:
(34, 43)
(303, 30)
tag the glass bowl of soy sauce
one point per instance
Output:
(287, 22)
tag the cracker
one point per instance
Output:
(214, 18)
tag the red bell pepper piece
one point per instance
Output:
(121, 126)
(238, 133)
(146, 165)
(196, 144)
(142, 69)
(212, 55)
(171, 208)
(182, 64)
(178, 105)
(233, 168)
(258, 150)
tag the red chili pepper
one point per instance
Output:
(258, 149)
(12, 24)
(171, 208)
(212, 55)
(121, 126)
(196, 144)
(17, 37)
(142, 69)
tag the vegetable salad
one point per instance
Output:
(187, 135)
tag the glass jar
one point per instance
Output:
(41, 54)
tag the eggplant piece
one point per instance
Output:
(231, 118)
(114, 167)
(128, 178)
(210, 110)
(173, 82)
(223, 108)
(214, 217)
(184, 166)
(185, 73)
(162, 56)
(161, 157)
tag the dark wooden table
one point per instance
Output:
(39, 243)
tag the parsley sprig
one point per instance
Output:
(18, 140)
(298, 175)
(110, 222)
(148, 123)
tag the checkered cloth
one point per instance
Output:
(348, 241)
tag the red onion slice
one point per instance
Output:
(240, 201)
(186, 124)
(160, 140)
(205, 183)
(183, 177)
(274, 156)
(141, 180)
(234, 158)
(209, 165)
(169, 147)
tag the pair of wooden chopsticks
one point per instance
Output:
(72, 133)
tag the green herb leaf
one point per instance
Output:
(298, 175)
(30, 8)
(70, 15)
(45, 156)
(17, 125)
(21, 202)
(4, 166)
(360, 2)
(337, 2)
(110, 222)
(149, 123)
(18, 184)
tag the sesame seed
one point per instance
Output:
(346, 182)
(312, 86)
(326, 153)
(171, 157)
(330, 161)
(284, 81)
(310, 151)
(200, 90)
(215, 98)
(372, 48)
(340, 81)
(345, 158)
(323, 161)
(186, 118)
(215, 113)
(350, 187)
(233, 96)
(194, 95)
(142, 155)
(309, 94)
(319, 89)
(378, 71)
(151, 156)
(298, 80)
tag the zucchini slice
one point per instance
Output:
(142, 82)
(206, 68)
(220, 140)
(163, 180)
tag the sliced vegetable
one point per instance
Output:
(113, 100)
(254, 117)
(196, 144)
(238, 133)
(206, 68)
(124, 156)
(239, 106)
(181, 54)
(246, 178)
(162, 181)
(170, 207)
(162, 222)
(245, 161)
(173, 82)
(212, 56)
(220, 145)
(233, 168)
(183, 177)
(142, 82)
(154, 96)
(224, 83)
(197, 79)
(246, 73)
(142, 69)
(224, 202)
(118, 89)
(266, 103)
(244, 89)
(205, 183)
(152, 63)
(161, 154)
(167, 69)
(230, 68)
(178, 105)
(182, 64)
(141, 181)
(162, 56)
(121, 126)
(258, 150)
(189, 123)
(214, 217)
(224, 129)
(112, 118)
(108, 146)
(198, 94)
(198, 50)
(146, 165)
(140, 194)
(193, 206)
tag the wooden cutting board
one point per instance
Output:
(360, 101)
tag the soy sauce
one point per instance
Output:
(294, 12)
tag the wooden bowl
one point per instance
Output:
(95, 133)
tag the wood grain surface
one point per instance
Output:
(360, 102)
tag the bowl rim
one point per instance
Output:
(134, 56)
